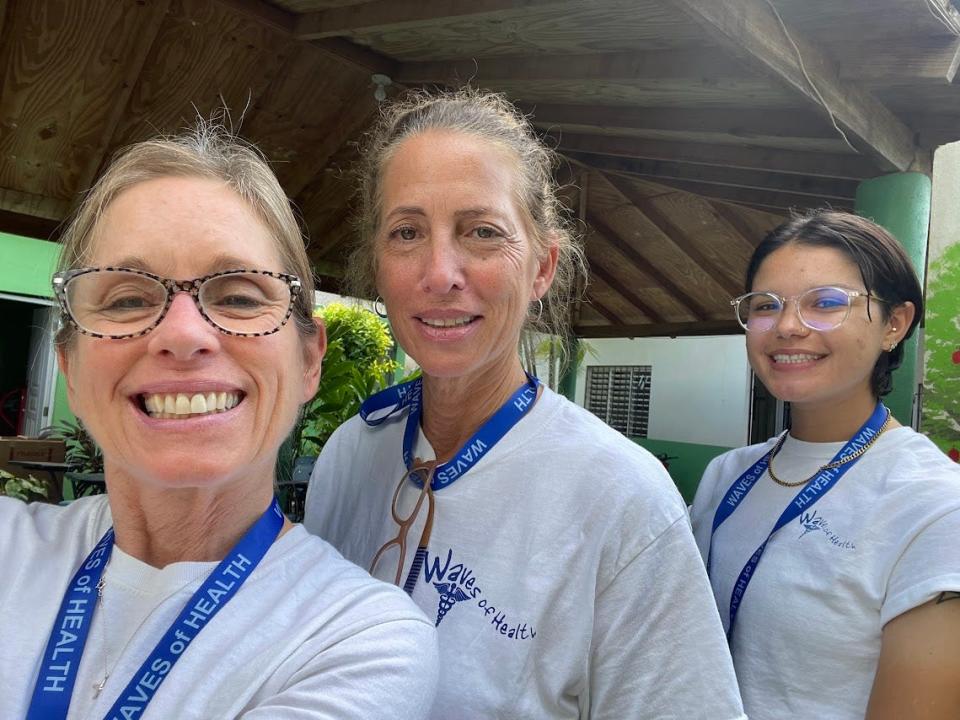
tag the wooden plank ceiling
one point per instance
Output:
(687, 128)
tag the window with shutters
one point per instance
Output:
(620, 396)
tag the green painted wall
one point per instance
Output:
(691, 460)
(26, 265)
(901, 203)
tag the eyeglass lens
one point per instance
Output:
(118, 302)
(823, 308)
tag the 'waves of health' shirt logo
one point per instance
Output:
(456, 583)
(811, 522)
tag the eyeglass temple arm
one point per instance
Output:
(420, 556)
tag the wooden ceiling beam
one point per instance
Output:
(37, 206)
(662, 66)
(769, 200)
(792, 162)
(689, 329)
(735, 122)
(728, 215)
(754, 29)
(674, 233)
(830, 188)
(638, 259)
(395, 15)
(900, 61)
(605, 311)
(597, 270)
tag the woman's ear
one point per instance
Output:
(314, 348)
(899, 323)
(546, 269)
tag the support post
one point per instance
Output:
(901, 203)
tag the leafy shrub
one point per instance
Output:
(356, 365)
(82, 450)
(27, 489)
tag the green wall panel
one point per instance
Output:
(689, 463)
(26, 265)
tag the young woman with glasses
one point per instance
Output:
(554, 555)
(832, 549)
(188, 347)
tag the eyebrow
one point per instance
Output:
(473, 212)
(220, 262)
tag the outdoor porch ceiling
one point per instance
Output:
(687, 128)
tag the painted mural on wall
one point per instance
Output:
(941, 383)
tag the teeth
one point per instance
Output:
(178, 405)
(795, 358)
(452, 322)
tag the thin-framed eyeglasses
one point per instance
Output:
(120, 303)
(405, 517)
(820, 308)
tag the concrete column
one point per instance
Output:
(901, 203)
(940, 416)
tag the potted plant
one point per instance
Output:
(83, 453)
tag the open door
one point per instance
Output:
(41, 372)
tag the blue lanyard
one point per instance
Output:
(393, 400)
(815, 488)
(58, 670)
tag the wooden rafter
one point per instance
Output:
(741, 124)
(605, 311)
(728, 215)
(752, 28)
(638, 259)
(669, 229)
(791, 162)
(597, 270)
(819, 188)
(704, 327)
(774, 201)
(693, 65)
(395, 15)
(34, 205)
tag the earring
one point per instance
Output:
(539, 310)
(379, 307)
(893, 346)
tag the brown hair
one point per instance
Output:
(493, 118)
(884, 265)
(207, 151)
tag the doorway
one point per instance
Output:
(28, 365)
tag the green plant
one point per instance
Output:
(27, 489)
(356, 365)
(82, 450)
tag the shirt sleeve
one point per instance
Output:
(658, 649)
(386, 672)
(928, 565)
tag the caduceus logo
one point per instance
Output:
(450, 595)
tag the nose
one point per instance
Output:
(789, 323)
(443, 266)
(183, 333)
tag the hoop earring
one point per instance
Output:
(379, 307)
(539, 310)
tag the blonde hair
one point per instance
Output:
(491, 117)
(208, 150)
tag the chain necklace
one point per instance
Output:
(98, 687)
(829, 466)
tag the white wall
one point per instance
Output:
(700, 386)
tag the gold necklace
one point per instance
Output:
(829, 466)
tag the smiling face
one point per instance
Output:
(183, 228)
(814, 369)
(456, 265)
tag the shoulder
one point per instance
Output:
(323, 582)
(908, 468)
(82, 521)
(724, 469)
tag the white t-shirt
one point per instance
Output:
(308, 635)
(562, 573)
(882, 541)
